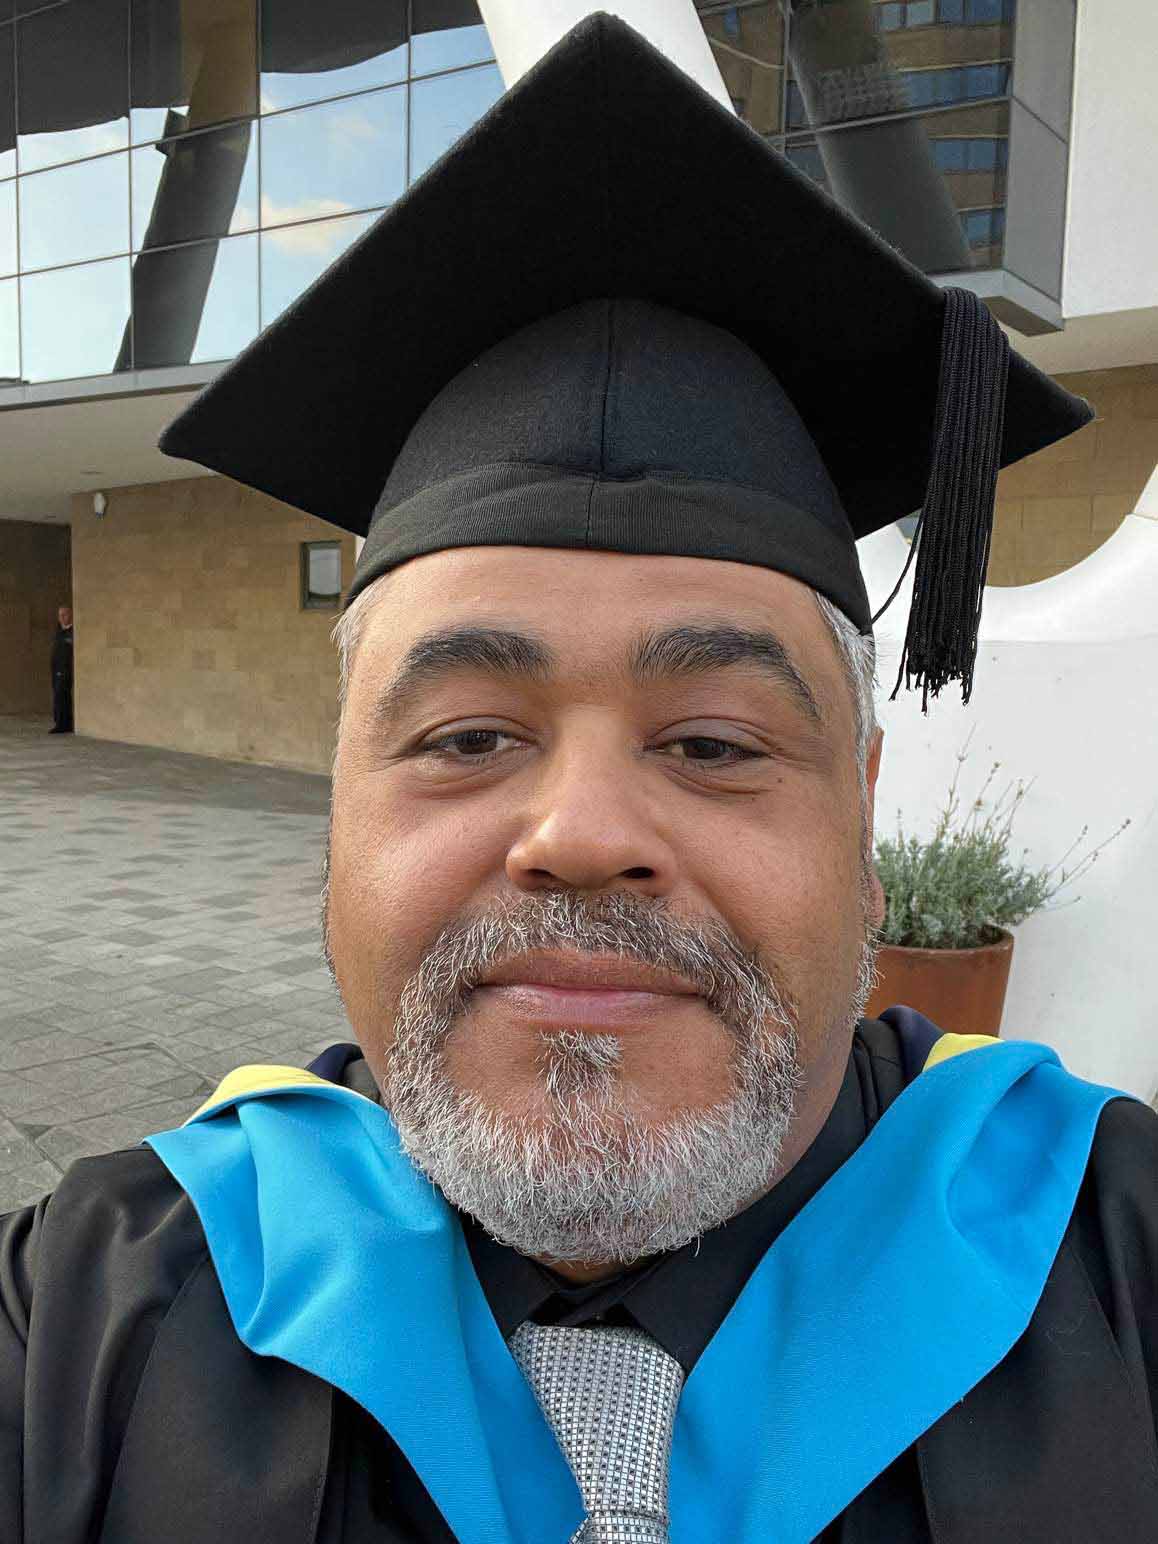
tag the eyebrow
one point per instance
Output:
(685, 650)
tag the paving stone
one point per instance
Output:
(52, 1049)
(150, 921)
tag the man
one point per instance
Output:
(618, 1223)
(62, 668)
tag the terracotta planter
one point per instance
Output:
(961, 990)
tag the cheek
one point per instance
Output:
(791, 885)
(394, 884)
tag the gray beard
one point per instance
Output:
(586, 1178)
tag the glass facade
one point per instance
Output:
(174, 172)
(899, 108)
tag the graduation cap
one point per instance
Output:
(613, 317)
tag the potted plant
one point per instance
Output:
(945, 944)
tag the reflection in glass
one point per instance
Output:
(9, 334)
(194, 304)
(7, 227)
(198, 186)
(310, 51)
(328, 160)
(447, 34)
(292, 258)
(749, 50)
(7, 104)
(73, 319)
(75, 212)
(966, 147)
(444, 107)
(748, 46)
(192, 65)
(72, 65)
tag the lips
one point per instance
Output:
(598, 993)
(588, 973)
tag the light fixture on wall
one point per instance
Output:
(99, 504)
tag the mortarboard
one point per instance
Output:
(613, 317)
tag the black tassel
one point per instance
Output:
(955, 526)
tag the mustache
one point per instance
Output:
(733, 981)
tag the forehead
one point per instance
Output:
(590, 610)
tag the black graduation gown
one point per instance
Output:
(130, 1413)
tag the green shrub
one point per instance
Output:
(956, 890)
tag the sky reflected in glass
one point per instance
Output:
(7, 227)
(9, 332)
(75, 212)
(443, 108)
(292, 258)
(74, 319)
(196, 303)
(333, 159)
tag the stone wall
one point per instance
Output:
(190, 632)
(34, 581)
(1055, 508)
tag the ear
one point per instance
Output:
(876, 894)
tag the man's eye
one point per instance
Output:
(473, 748)
(706, 750)
(466, 745)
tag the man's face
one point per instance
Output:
(656, 735)
(64, 616)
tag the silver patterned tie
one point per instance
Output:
(610, 1397)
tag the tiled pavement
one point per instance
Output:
(158, 926)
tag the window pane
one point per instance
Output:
(325, 571)
(194, 303)
(986, 80)
(981, 155)
(443, 108)
(74, 320)
(748, 46)
(326, 160)
(201, 185)
(293, 257)
(9, 335)
(920, 57)
(895, 174)
(7, 227)
(984, 11)
(447, 33)
(949, 155)
(73, 72)
(311, 51)
(75, 212)
(7, 104)
(192, 65)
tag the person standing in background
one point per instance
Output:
(62, 673)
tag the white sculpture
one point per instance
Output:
(1066, 694)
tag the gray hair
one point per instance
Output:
(857, 652)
